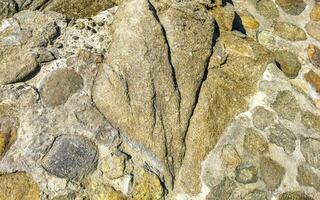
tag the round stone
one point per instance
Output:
(59, 86)
(271, 173)
(315, 12)
(268, 9)
(246, 174)
(289, 31)
(314, 55)
(283, 137)
(310, 149)
(313, 29)
(286, 105)
(296, 195)
(71, 157)
(262, 118)
(289, 63)
(291, 7)
(254, 142)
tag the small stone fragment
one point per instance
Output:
(283, 137)
(224, 16)
(314, 55)
(254, 142)
(80, 25)
(230, 157)
(147, 186)
(268, 9)
(59, 86)
(315, 12)
(246, 174)
(311, 120)
(297, 195)
(222, 191)
(289, 63)
(113, 165)
(70, 196)
(313, 29)
(45, 56)
(295, 7)
(289, 31)
(262, 117)
(307, 177)
(19, 185)
(249, 22)
(271, 173)
(58, 45)
(103, 192)
(71, 157)
(286, 105)
(15, 64)
(314, 80)
(310, 149)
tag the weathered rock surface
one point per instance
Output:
(283, 137)
(294, 196)
(19, 185)
(271, 173)
(286, 105)
(292, 7)
(310, 149)
(307, 177)
(289, 31)
(254, 142)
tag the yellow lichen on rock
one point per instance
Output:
(18, 186)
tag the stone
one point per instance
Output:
(315, 12)
(246, 174)
(224, 16)
(313, 79)
(286, 105)
(292, 7)
(314, 55)
(222, 191)
(59, 86)
(155, 109)
(7, 9)
(294, 195)
(307, 177)
(70, 196)
(288, 62)
(311, 120)
(282, 137)
(113, 165)
(147, 186)
(271, 173)
(249, 22)
(254, 142)
(78, 8)
(262, 118)
(268, 9)
(18, 185)
(289, 31)
(103, 192)
(10, 33)
(230, 157)
(15, 64)
(45, 56)
(256, 195)
(71, 157)
(310, 149)
(313, 29)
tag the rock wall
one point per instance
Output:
(160, 99)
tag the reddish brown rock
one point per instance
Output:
(314, 79)
(314, 55)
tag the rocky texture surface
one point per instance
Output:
(159, 99)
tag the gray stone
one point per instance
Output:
(289, 63)
(7, 8)
(246, 174)
(45, 56)
(71, 157)
(286, 105)
(282, 137)
(271, 173)
(268, 9)
(254, 143)
(295, 7)
(15, 64)
(310, 149)
(289, 31)
(262, 117)
(59, 86)
(222, 191)
(294, 195)
(307, 177)
(311, 120)
(256, 195)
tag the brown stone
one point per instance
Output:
(314, 79)
(313, 29)
(315, 12)
(271, 173)
(19, 185)
(314, 55)
(289, 31)
(254, 142)
(307, 177)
